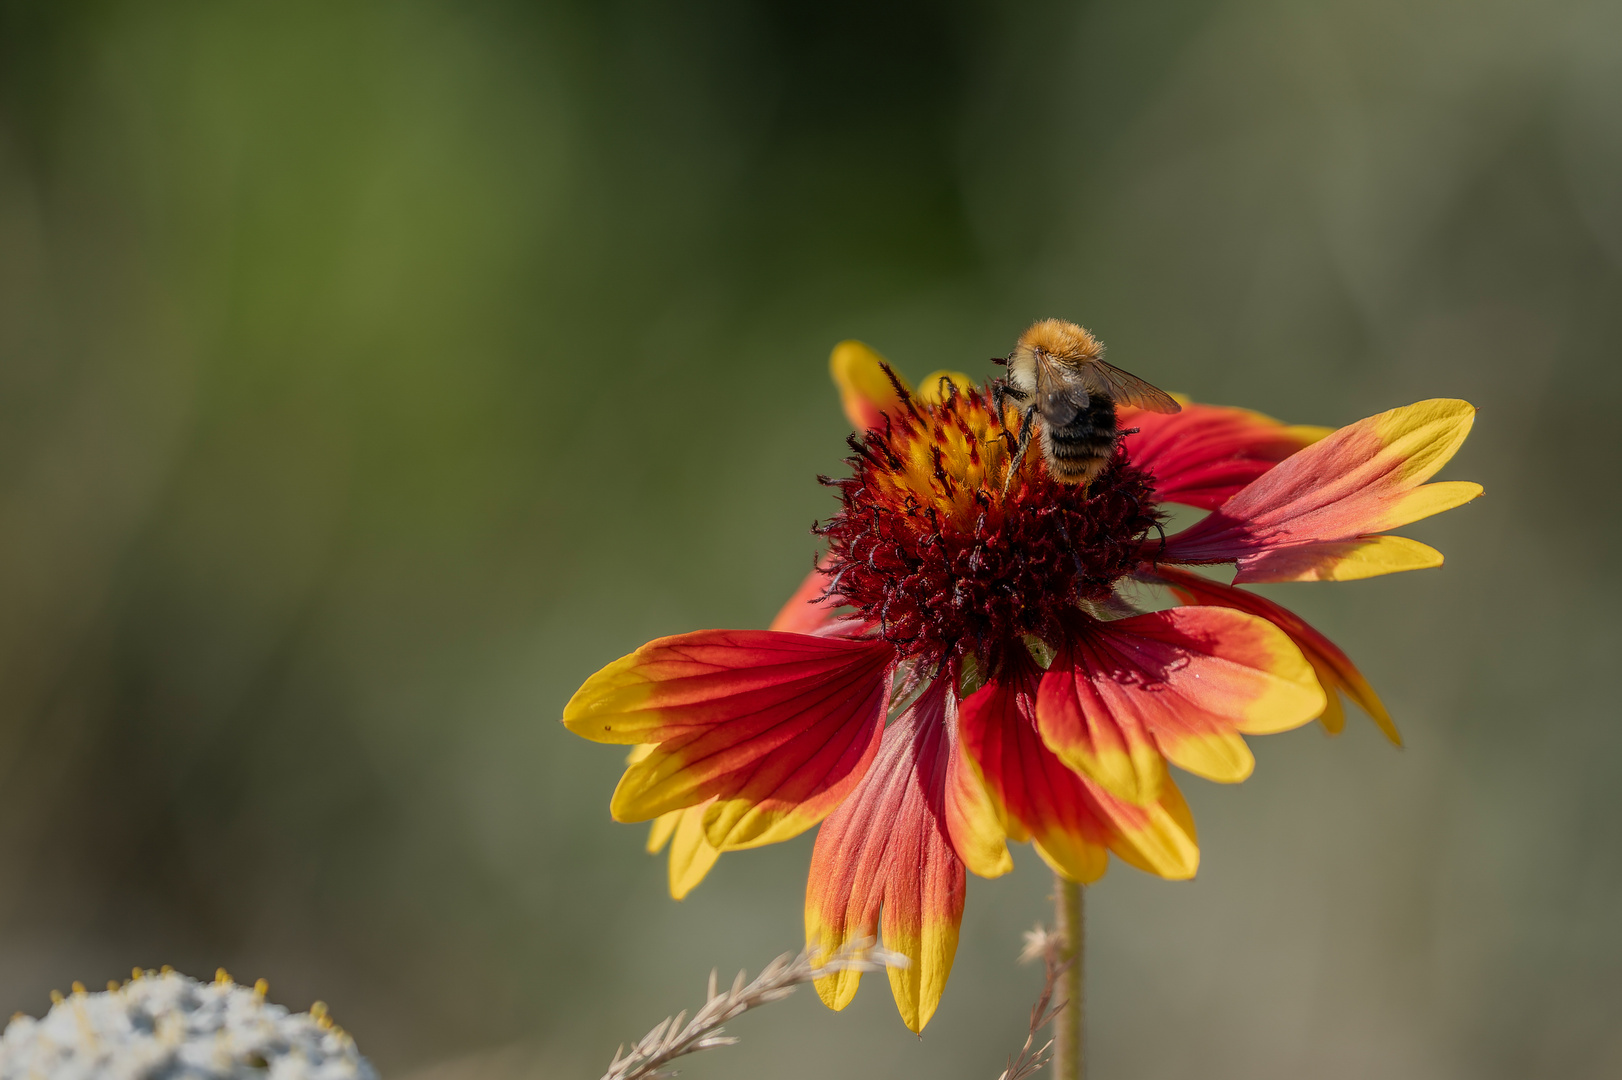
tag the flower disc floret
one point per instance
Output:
(932, 552)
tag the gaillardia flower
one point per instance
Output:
(961, 668)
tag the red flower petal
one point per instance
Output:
(1206, 453)
(886, 848)
(1097, 726)
(865, 388)
(1335, 671)
(1313, 516)
(1184, 683)
(807, 611)
(973, 821)
(1072, 820)
(777, 728)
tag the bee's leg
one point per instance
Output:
(1002, 390)
(1024, 442)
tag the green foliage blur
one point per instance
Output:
(372, 372)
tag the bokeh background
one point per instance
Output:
(372, 372)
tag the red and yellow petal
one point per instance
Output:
(866, 388)
(1187, 682)
(1335, 671)
(883, 861)
(691, 855)
(1351, 560)
(1204, 454)
(1158, 839)
(776, 728)
(1099, 726)
(1314, 516)
(938, 385)
(810, 608)
(1073, 821)
(977, 830)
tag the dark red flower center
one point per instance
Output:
(929, 548)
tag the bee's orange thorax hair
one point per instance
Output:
(1062, 340)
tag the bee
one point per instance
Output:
(1059, 369)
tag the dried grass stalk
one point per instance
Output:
(1039, 943)
(673, 1038)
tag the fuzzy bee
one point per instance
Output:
(1058, 375)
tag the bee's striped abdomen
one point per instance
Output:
(1078, 451)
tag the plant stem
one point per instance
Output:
(1068, 1058)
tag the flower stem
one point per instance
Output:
(1068, 1059)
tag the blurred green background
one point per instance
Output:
(370, 373)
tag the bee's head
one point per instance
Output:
(1061, 340)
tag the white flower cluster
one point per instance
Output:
(165, 1026)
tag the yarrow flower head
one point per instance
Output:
(962, 667)
(163, 1024)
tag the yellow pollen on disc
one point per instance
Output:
(951, 452)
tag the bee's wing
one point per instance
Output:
(1127, 389)
(1060, 393)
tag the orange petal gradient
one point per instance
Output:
(1336, 673)
(1204, 454)
(865, 386)
(1313, 516)
(776, 728)
(1072, 820)
(1183, 683)
(883, 857)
